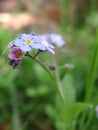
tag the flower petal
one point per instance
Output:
(18, 42)
(38, 46)
(51, 50)
(25, 48)
(36, 39)
(11, 56)
(57, 39)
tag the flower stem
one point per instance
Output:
(39, 62)
(58, 82)
(36, 53)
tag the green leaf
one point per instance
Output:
(68, 89)
(93, 70)
(73, 111)
(69, 98)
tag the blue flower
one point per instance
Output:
(27, 42)
(46, 45)
(57, 39)
(54, 38)
(45, 36)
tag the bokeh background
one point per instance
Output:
(28, 98)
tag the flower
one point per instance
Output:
(15, 57)
(16, 54)
(45, 45)
(57, 39)
(54, 38)
(27, 42)
(45, 36)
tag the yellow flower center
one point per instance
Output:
(19, 54)
(28, 41)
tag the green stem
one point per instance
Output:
(58, 82)
(37, 54)
(43, 66)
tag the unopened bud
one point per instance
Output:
(52, 67)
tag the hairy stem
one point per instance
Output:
(37, 54)
(39, 62)
(58, 82)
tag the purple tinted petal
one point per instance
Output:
(32, 33)
(23, 36)
(15, 49)
(16, 58)
(51, 46)
(11, 56)
(45, 37)
(60, 43)
(38, 46)
(36, 39)
(26, 36)
(18, 42)
(51, 50)
(25, 48)
(57, 39)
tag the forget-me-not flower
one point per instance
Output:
(15, 57)
(16, 54)
(27, 42)
(46, 45)
(57, 39)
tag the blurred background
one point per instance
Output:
(28, 98)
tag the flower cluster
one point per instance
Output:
(25, 43)
(54, 38)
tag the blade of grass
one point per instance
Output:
(93, 70)
(91, 77)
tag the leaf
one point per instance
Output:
(68, 89)
(73, 111)
(69, 96)
(93, 70)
